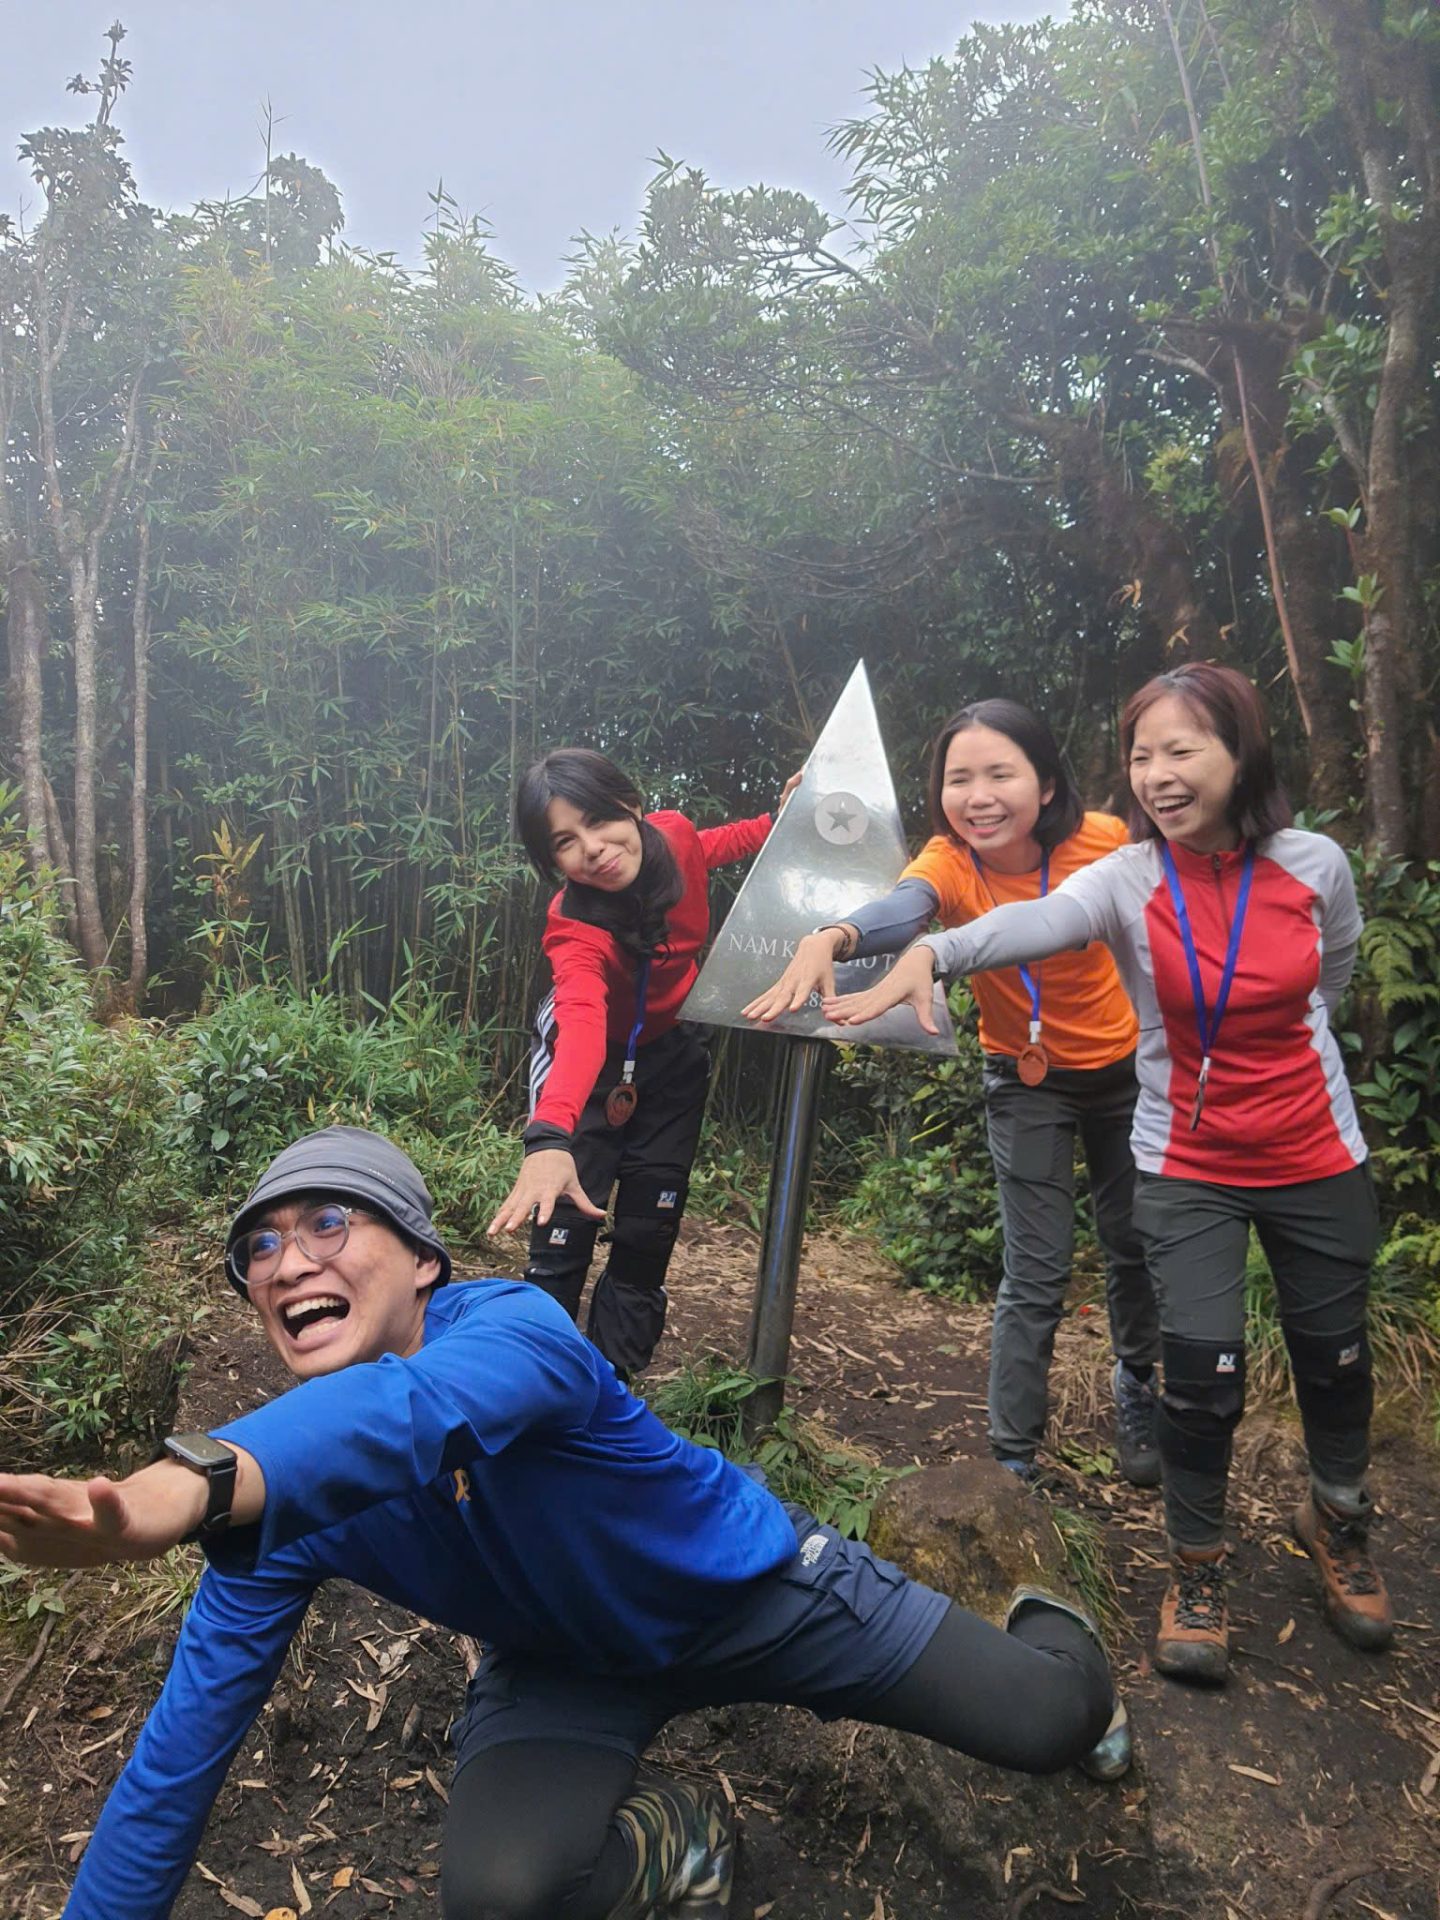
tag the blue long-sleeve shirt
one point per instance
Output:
(501, 1482)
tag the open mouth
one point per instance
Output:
(299, 1316)
(1169, 809)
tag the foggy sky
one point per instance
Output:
(540, 117)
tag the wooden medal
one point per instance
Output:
(1032, 1064)
(620, 1103)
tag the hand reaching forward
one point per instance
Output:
(49, 1522)
(811, 971)
(547, 1175)
(912, 979)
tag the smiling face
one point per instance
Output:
(1184, 777)
(365, 1301)
(991, 796)
(594, 852)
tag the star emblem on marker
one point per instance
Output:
(841, 819)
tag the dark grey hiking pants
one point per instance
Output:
(1033, 1132)
(1319, 1238)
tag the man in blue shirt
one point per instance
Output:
(462, 1450)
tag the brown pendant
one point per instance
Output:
(620, 1103)
(1032, 1064)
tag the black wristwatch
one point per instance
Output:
(218, 1463)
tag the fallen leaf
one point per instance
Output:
(342, 1877)
(404, 1781)
(98, 1713)
(1254, 1773)
(282, 1913)
(434, 1781)
(1285, 1633)
(241, 1902)
(303, 1902)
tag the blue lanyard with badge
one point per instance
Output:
(622, 1100)
(1208, 1021)
(1032, 1063)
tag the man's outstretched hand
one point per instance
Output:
(49, 1522)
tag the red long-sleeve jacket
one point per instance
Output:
(593, 999)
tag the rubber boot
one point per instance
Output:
(682, 1837)
(1356, 1603)
(1110, 1757)
(1194, 1638)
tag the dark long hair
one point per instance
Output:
(595, 787)
(1228, 705)
(1062, 812)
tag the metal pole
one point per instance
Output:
(797, 1105)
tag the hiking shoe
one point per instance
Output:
(1025, 1471)
(1356, 1603)
(1109, 1758)
(1136, 1404)
(682, 1836)
(1194, 1638)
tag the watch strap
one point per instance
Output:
(218, 1464)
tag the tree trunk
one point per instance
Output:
(1385, 89)
(93, 944)
(1395, 619)
(139, 784)
(28, 636)
(60, 861)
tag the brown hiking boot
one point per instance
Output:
(1194, 1638)
(1356, 1602)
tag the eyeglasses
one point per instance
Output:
(320, 1233)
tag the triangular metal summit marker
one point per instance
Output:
(836, 846)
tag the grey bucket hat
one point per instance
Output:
(353, 1165)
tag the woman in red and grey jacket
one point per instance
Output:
(1235, 935)
(617, 1084)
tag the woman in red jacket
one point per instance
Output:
(617, 1082)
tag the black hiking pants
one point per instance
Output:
(647, 1162)
(531, 1832)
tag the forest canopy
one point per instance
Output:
(305, 553)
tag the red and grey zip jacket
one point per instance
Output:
(591, 1008)
(1278, 1109)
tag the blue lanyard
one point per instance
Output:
(1027, 979)
(642, 981)
(1207, 1022)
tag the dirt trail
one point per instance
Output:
(1315, 1760)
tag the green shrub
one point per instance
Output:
(706, 1401)
(267, 1063)
(927, 1189)
(89, 1338)
(1396, 1000)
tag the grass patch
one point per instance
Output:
(802, 1462)
(1082, 1541)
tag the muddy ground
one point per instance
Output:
(1316, 1763)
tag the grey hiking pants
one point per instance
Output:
(1032, 1143)
(1319, 1238)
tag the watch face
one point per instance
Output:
(199, 1450)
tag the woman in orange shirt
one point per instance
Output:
(1059, 1044)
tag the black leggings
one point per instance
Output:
(530, 1833)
